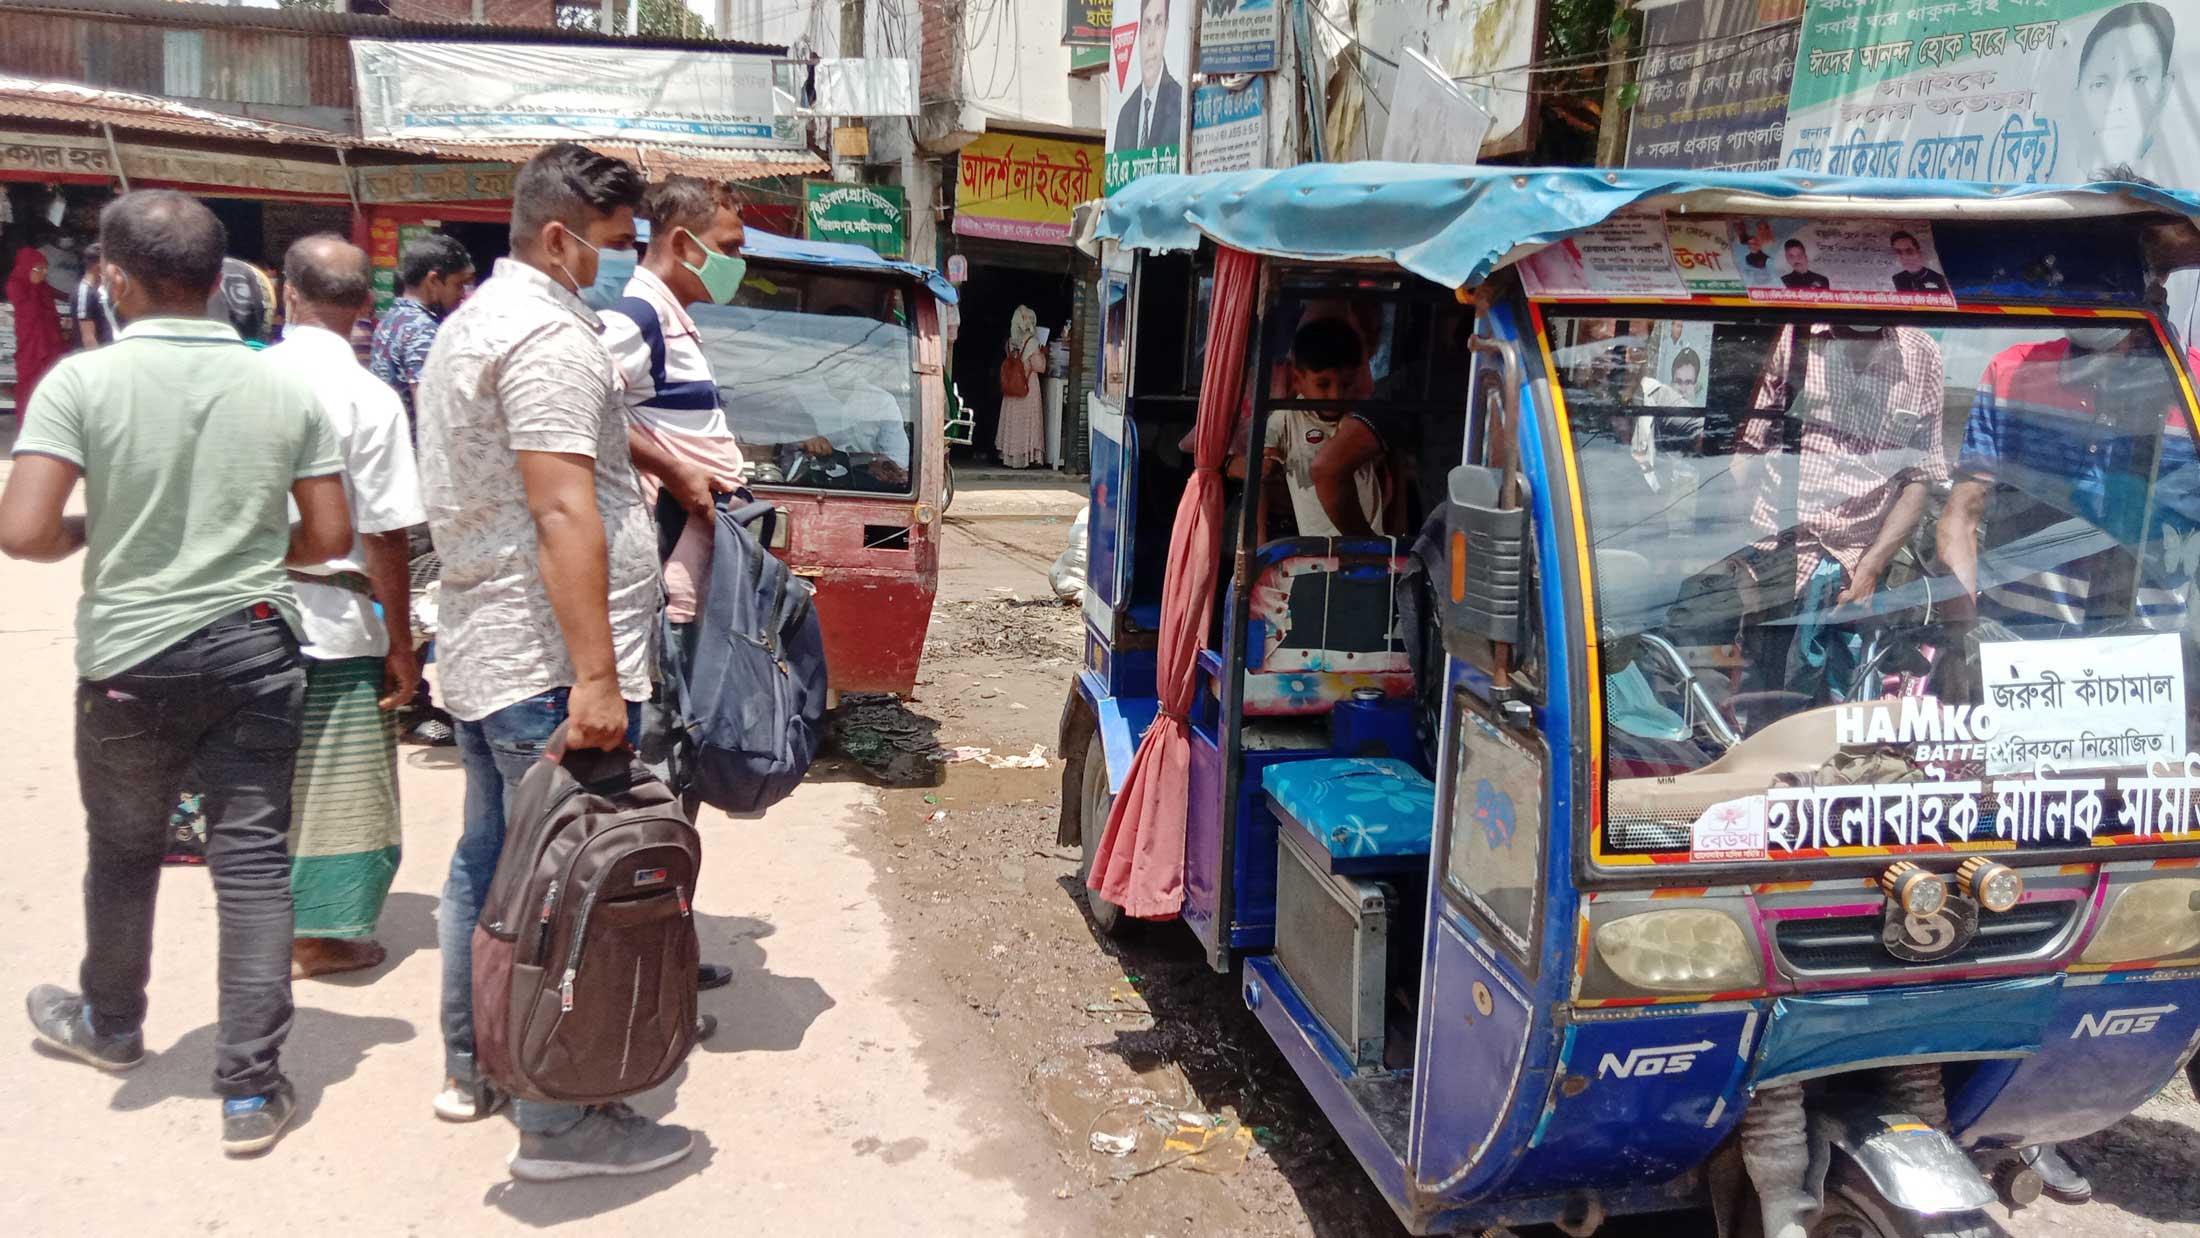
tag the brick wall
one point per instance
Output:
(938, 61)
(495, 12)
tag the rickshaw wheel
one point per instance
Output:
(1855, 1209)
(1093, 804)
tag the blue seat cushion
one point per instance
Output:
(1356, 807)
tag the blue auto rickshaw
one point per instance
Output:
(1729, 742)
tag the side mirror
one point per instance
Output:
(1487, 553)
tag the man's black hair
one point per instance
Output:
(687, 202)
(1795, 244)
(167, 241)
(570, 184)
(1899, 235)
(1326, 344)
(2138, 15)
(1687, 357)
(326, 269)
(428, 256)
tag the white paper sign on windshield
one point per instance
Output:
(2099, 702)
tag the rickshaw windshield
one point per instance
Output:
(1871, 581)
(816, 378)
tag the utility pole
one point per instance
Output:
(853, 14)
(1618, 79)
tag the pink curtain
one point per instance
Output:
(1140, 867)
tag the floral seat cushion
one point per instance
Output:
(1356, 807)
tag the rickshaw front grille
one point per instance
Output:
(1851, 944)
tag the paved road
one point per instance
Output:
(837, 1098)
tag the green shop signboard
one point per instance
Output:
(873, 216)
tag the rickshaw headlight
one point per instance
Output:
(1680, 950)
(2149, 920)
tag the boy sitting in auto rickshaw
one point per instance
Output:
(1334, 466)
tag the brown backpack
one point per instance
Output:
(584, 957)
(1015, 379)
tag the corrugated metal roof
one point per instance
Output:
(24, 98)
(711, 162)
(313, 21)
(67, 102)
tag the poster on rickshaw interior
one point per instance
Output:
(1239, 36)
(2027, 91)
(1149, 62)
(1844, 261)
(1626, 255)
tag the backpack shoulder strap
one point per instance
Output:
(653, 333)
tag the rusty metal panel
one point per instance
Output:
(183, 60)
(120, 56)
(246, 66)
(328, 73)
(42, 46)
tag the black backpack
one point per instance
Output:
(752, 704)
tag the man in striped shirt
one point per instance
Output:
(676, 426)
(2077, 456)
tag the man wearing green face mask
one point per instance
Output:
(676, 428)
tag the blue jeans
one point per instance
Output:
(497, 752)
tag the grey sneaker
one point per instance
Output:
(252, 1124)
(64, 1023)
(611, 1140)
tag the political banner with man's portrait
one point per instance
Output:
(1149, 68)
(2013, 91)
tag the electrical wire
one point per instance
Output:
(1571, 64)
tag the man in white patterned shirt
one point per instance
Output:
(550, 586)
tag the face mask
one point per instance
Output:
(2098, 339)
(613, 268)
(721, 273)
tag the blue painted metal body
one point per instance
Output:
(1522, 1097)
(2106, 1045)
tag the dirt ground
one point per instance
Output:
(1140, 1045)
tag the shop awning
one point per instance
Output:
(725, 163)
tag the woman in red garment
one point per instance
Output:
(38, 341)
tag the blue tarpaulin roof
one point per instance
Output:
(1455, 225)
(770, 246)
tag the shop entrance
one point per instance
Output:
(487, 242)
(989, 298)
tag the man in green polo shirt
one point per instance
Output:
(192, 449)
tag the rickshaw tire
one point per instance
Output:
(1093, 803)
